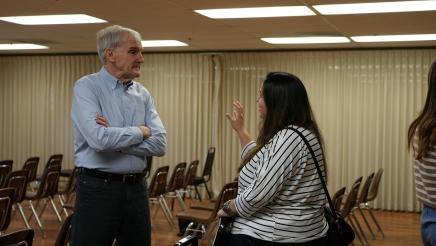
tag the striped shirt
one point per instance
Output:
(425, 177)
(280, 196)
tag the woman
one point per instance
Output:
(280, 197)
(422, 139)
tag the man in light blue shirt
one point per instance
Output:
(116, 126)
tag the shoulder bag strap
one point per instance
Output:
(324, 186)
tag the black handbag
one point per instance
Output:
(340, 232)
(223, 235)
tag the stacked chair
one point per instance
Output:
(348, 204)
(201, 218)
(46, 190)
(207, 173)
(5, 169)
(157, 190)
(175, 185)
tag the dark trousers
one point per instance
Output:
(244, 240)
(107, 210)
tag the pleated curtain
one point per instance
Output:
(363, 101)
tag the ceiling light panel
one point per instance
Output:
(380, 7)
(394, 38)
(22, 46)
(162, 43)
(306, 40)
(52, 19)
(258, 12)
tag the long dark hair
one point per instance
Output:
(287, 104)
(425, 125)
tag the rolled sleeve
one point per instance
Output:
(249, 146)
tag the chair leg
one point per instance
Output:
(188, 228)
(37, 220)
(360, 228)
(61, 201)
(376, 222)
(166, 211)
(366, 222)
(197, 192)
(180, 199)
(43, 208)
(207, 190)
(355, 231)
(20, 208)
(55, 209)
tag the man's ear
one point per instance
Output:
(109, 54)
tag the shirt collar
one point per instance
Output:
(113, 82)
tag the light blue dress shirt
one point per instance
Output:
(119, 148)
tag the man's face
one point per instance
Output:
(126, 59)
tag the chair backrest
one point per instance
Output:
(159, 182)
(350, 200)
(6, 198)
(375, 184)
(147, 169)
(5, 170)
(338, 197)
(64, 235)
(18, 181)
(365, 188)
(7, 163)
(177, 177)
(207, 171)
(72, 181)
(18, 238)
(191, 173)
(49, 180)
(229, 191)
(32, 167)
(55, 159)
(33, 158)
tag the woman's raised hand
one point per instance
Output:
(236, 118)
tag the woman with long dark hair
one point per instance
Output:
(280, 197)
(422, 140)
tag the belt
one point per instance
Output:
(129, 178)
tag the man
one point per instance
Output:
(116, 125)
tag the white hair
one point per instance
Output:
(110, 37)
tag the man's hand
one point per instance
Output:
(146, 133)
(101, 120)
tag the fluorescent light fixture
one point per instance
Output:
(258, 12)
(394, 38)
(380, 7)
(22, 46)
(52, 19)
(162, 43)
(306, 40)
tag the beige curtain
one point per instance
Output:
(363, 102)
(36, 94)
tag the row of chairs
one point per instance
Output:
(182, 179)
(348, 204)
(28, 186)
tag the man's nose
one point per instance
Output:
(140, 58)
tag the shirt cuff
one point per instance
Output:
(137, 133)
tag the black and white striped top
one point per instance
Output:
(280, 197)
(425, 177)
